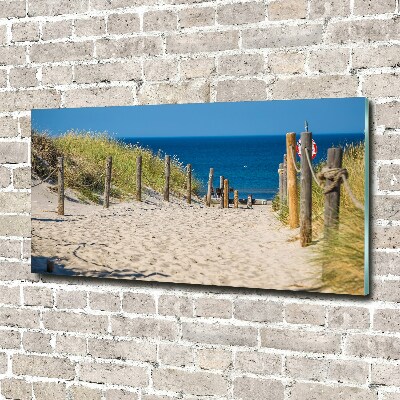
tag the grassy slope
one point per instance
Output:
(85, 156)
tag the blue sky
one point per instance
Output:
(325, 116)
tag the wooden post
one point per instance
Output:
(210, 186)
(221, 186)
(280, 173)
(284, 180)
(60, 208)
(292, 181)
(332, 199)
(305, 190)
(226, 193)
(249, 201)
(167, 173)
(107, 184)
(189, 183)
(236, 199)
(139, 178)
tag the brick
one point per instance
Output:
(56, 7)
(128, 47)
(3, 363)
(10, 339)
(144, 328)
(10, 248)
(386, 146)
(307, 368)
(139, 303)
(213, 308)
(386, 207)
(26, 248)
(228, 335)
(297, 340)
(16, 271)
(378, 346)
(71, 299)
(202, 42)
(8, 127)
(197, 68)
(235, 90)
(37, 342)
(241, 64)
(26, 100)
(352, 372)
(70, 345)
(121, 394)
(368, 7)
(104, 301)
(305, 314)
(5, 177)
(115, 374)
(191, 17)
(82, 392)
(376, 57)
(256, 362)
(385, 374)
(258, 311)
(314, 87)
(159, 21)
(387, 291)
(382, 85)
(57, 30)
(386, 237)
(3, 78)
(94, 26)
(15, 225)
(23, 77)
(169, 93)
(388, 114)
(119, 24)
(160, 70)
(114, 4)
(314, 391)
(123, 349)
(385, 263)
(386, 320)
(214, 359)
(97, 97)
(63, 51)
(12, 8)
(48, 367)
(390, 396)
(348, 318)
(12, 55)
(22, 178)
(175, 355)
(74, 322)
(107, 72)
(38, 296)
(10, 295)
(16, 389)
(292, 9)
(194, 383)
(329, 8)
(329, 61)
(25, 128)
(25, 32)
(241, 13)
(257, 389)
(282, 36)
(366, 30)
(57, 75)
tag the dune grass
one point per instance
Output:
(85, 157)
(342, 257)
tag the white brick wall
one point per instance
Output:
(64, 338)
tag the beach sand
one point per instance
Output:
(169, 242)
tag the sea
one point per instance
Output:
(249, 162)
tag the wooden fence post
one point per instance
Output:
(167, 173)
(139, 178)
(284, 180)
(189, 183)
(250, 201)
(292, 180)
(236, 199)
(221, 187)
(60, 208)
(226, 193)
(280, 173)
(305, 190)
(209, 189)
(332, 198)
(107, 183)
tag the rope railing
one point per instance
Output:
(45, 179)
(293, 160)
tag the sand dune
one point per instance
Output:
(170, 242)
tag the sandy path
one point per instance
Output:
(170, 242)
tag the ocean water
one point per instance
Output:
(249, 162)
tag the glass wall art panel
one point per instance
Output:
(266, 195)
